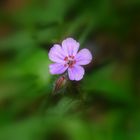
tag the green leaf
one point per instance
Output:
(21, 40)
(51, 11)
(29, 75)
(25, 130)
(108, 81)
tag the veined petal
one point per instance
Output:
(83, 57)
(56, 54)
(70, 46)
(76, 73)
(57, 68)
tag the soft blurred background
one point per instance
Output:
(104, 105)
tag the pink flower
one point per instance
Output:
(67, 57)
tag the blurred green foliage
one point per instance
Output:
(104, 105)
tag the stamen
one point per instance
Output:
(66, 58)
(70, 56)
(74, 61)
(65, 65)
(69, 61)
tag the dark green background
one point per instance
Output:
(104, 105)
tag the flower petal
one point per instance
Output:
(56, 54)
(57, 68)
(76, 73)
(83, 57)
(70, 46)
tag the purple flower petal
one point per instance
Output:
(83, 57)
(57, 68)
(76, 73)
(70, 46)
(56, 54)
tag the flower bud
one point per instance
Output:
(60, 84)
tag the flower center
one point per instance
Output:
(70, 61)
